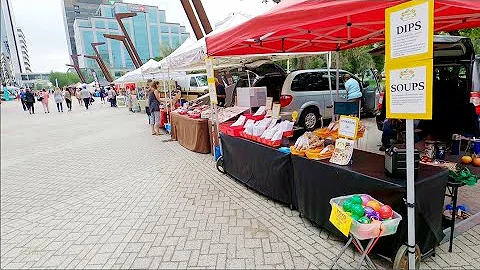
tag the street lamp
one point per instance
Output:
(77, 67)
(119, 17)
(105, 72)
(100, 62)
(123, 39)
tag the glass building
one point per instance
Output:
(73, 9)
(148, 30)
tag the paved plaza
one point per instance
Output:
(95, 190)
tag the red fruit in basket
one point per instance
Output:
(385, 211)
(374, 204)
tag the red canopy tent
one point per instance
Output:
(296, 26)
(299, 26)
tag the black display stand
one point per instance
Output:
(263, 168)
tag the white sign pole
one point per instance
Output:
(410, 193)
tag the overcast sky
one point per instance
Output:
(42, 24)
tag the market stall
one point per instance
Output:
(191, 133)
(293, 26)
(318, 181)
(262, 168)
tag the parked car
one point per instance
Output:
(305, 91)
(193, 84)
(455, 88)
(308, 93)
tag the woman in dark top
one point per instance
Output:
(30, 100)
(154, 107)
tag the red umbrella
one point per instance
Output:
(295, 26)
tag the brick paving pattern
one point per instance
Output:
(95, 190)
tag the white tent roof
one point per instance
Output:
(191, 54)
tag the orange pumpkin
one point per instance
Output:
(476, 162)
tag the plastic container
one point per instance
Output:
(168, 127)
(369, 231)
(288, 134)
(226, 128)
(218, 152)
(254, 117)
(285, 150)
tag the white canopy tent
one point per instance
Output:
(190, 56)
(140, 74)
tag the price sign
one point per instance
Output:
(348, 127)
(276, 111)
(340, 219)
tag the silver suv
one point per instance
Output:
(308, 93)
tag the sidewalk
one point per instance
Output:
(95, 190)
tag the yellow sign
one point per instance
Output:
(348, 127)
(341, 220)
(212, 90)
(409, 90)
(294, 116)
(409, 31)
(409, 60)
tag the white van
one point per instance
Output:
(193, 84)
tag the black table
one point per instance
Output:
(316, 182)
(263, 168)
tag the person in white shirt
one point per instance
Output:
(85, 94)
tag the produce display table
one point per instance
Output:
(191, 133)
(316, 182)
(260, 167)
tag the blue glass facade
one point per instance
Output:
(148, 30)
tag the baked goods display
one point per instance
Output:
(331, 131)
(310, 145)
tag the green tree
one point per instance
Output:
(63, 78)
(165, 51)
(474, 35)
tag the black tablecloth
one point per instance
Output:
(316, 182)
(260, 167)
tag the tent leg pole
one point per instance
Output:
(410, 193)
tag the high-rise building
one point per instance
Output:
(23, 51)
(73, 9)
(10, 56)
(149, 31)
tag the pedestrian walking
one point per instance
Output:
(43, 97)
(68, 98)
(85, 95)
(58, 96)
(79, 97)
(146, 96)
(102, 95)
(154, 106)
(30, 101)
(22, 99)
(112, 97)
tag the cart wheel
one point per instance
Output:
(220, 165)
(401, 259)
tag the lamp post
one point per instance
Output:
(119, 17)
(77, 67)
(123, 39)
(106, 73)
(100, 62)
